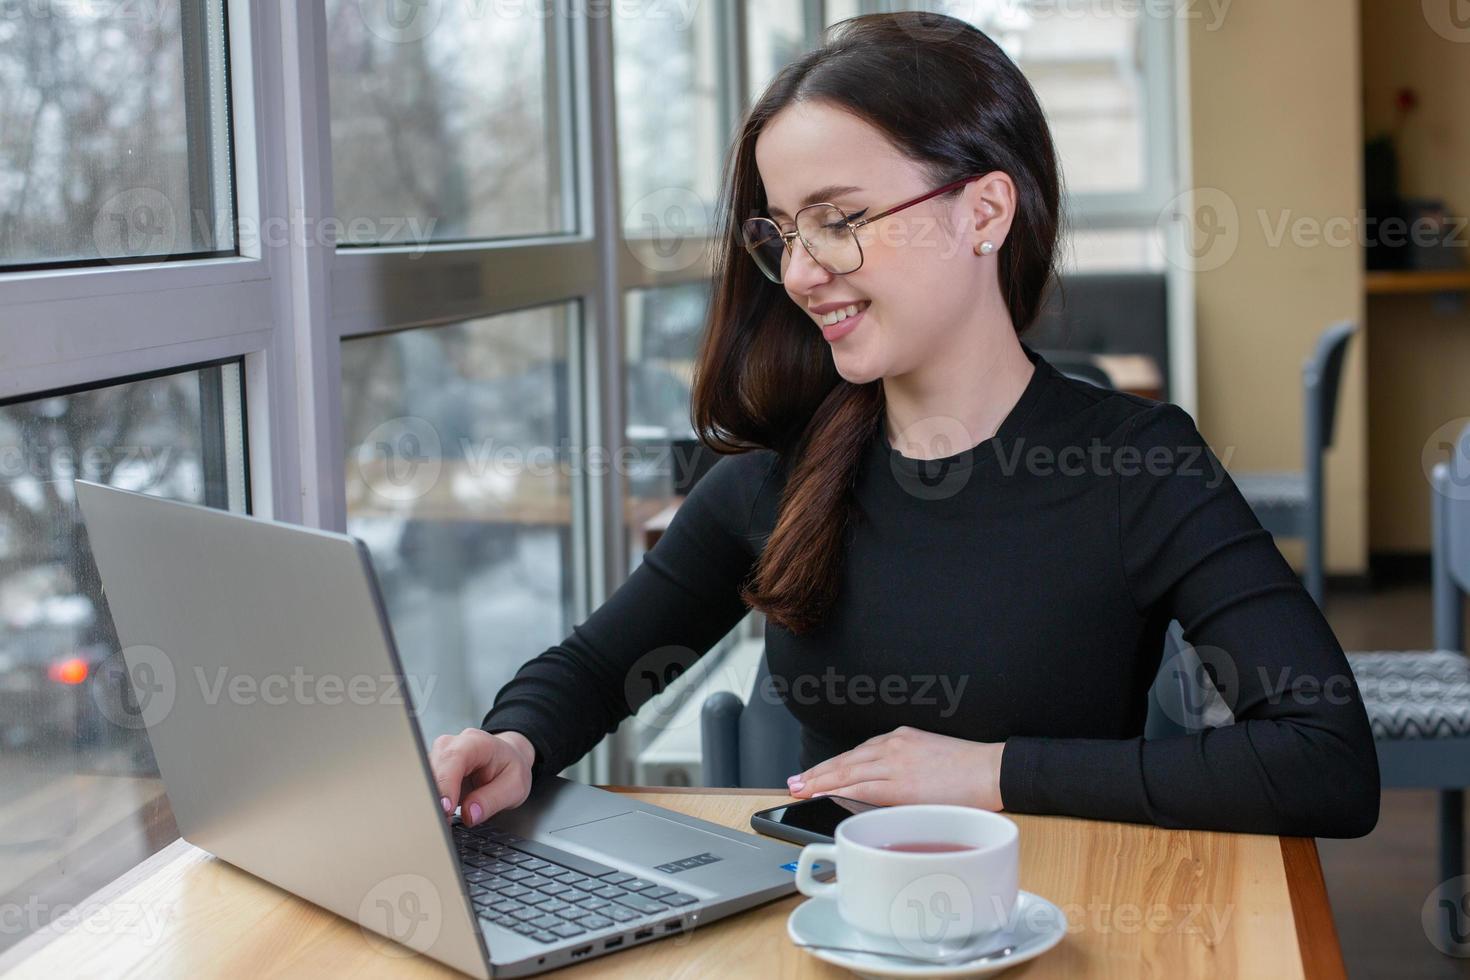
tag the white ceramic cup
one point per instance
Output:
(926, 900)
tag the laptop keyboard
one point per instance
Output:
(548, 894)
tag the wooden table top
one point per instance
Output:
(1139, 900)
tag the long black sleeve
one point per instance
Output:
(680, 601)
(1300, 758)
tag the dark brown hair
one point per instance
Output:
(949, 99)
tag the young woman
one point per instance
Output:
(967, 560)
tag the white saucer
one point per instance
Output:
(1037, 925)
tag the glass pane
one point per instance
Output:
(1114, 250)
(114, 132)
(80, 797)
(662, 336)
(776, 33)
(459, 479)
(664, 328)
(835, 10)
(672, 129)
(446, 121)
(1086, 64)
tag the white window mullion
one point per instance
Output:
(302, 377)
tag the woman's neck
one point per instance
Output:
(959, 400)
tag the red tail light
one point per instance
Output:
(72, 670)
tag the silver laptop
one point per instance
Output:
(264, 669)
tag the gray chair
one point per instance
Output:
(1106, 313)
(756, 744)
(1078, 366)
(1290, 504)
(1418, 701)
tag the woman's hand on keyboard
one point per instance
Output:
(481, 773)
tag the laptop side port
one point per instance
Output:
(613, 943)
(581, 951)
(642, 934)
(672, 926)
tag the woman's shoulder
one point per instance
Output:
(730, 487)
(1084, 411)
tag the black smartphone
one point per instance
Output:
(811, 821)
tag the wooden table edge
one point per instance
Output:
(1317, 939)
(1310, 909)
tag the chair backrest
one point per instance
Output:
(1106, 313)
(1321, 378)
(755, 743)
(1090, 373)
(1449, 502)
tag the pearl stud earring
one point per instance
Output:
(985, 248)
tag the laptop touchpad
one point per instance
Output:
(646, 838)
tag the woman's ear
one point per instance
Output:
(992, 207)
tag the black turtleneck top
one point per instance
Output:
(1017, 591)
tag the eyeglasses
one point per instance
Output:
(828, 234)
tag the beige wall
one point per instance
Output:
(1275, 101)
(1419, 348)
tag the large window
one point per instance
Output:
(447, 121)
(114, 135)
(673, 117)
(459, 477)
(663, 331)
(1103, 73)
(80, 799)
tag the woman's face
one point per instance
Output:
(920, 277)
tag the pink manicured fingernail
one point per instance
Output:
(444, 802)
(794, 784)
(475, 813)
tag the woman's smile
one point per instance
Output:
(841, 322)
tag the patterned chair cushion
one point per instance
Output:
(1272, 489)
(1414, 693)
